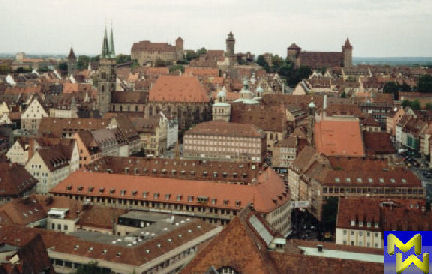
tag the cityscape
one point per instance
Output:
(172, 158)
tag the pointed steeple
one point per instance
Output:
(348, 44)
(105, 47)
(112, 51)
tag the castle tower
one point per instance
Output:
(229, 53)
(221, 110)
(347, 53)
(72, 62)
(107, 74)
(179, 48)
(293, 54)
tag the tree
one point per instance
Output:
(174, 68)
(201, 51)
(391, 87)
(425, 83)
(63, 66)
(343, 95)
(406, 103)
(263, 63)
(429, 106)
(415, 105)
(43, 69)
(23, 70)
(83, 62)
(190, 55)
(121, 58)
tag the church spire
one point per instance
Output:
(105, 47)
(112, 51)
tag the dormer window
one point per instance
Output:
(134, 193)
(156, 196)
(179, 197)
(352, 223)
(190, 199)
(80, 188)
(69, 187)
(101, 190)
(392, 180)
(205, 173)
(167, 196)
(145, 194)
(404, 181)
(213, 201)
(112, 190)
(337, 180)
(225, 202)
(370, 180)
(381, 180)
(90, 189)
(359, 180)
(122, 192)
(237, 203)
(348, 180)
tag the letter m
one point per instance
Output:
(393, 241)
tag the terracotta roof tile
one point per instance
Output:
(339, 138)
(15, 180)
(222, 128)
(178, 89)
(269, 186)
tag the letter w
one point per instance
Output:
(393, 241)
(423, 266)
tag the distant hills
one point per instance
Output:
(393, 61)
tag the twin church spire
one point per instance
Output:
(108, 48)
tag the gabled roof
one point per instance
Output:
(178, 89)
(339, 137)
(14, 180)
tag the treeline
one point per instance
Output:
(285, 69)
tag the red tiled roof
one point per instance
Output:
(339, 138)
(222, 128)
(178, 89)
(269, 187)
(14, 180)
(378, 143)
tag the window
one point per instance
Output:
(190, 199)
(344, 232)
(156, 196)
(167, 196)
(352, 233)
(179, 197)
(213, 201)
(65, 227)
(59, 226)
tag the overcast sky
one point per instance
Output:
(380, 28)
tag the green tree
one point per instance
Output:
(121, 58)
(63, 66)
(263, 63)
(174, 68)
(343, 95)
(425, 83)
(429, 106)
(83, 62)
(391, 87)
(43, 69)
(95, 58)
(92, 268)
(190, 55)
(415, 105)
(406, 103)
(201, 51)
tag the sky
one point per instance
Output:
(376, 28)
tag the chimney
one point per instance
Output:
(320, 248)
